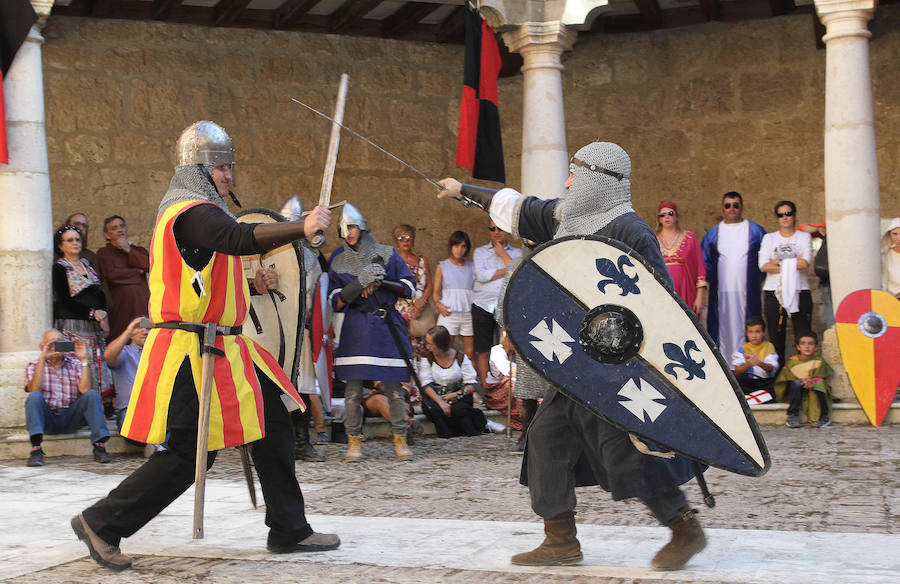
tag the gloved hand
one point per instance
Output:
(371, 274)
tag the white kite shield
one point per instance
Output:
(593, 319)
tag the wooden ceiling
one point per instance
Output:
(439, 21)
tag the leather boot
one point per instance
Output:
(354, 450)
(560, 546)
(687, 540)
(400, 447)
(303, 450)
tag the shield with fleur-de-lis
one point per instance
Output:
(593, 319)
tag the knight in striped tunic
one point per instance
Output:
(196, 277)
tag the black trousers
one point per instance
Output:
(564, 434)
(166, 475)
(776, 319)
(465, 419)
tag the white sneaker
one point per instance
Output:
(494, 427)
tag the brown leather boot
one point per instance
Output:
(400, 447)
(560, 546)
(687, 540)
(354, 450)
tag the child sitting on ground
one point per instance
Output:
(755, 363)
(802, 378)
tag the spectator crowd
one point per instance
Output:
(417, 334)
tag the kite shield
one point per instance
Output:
(587, 314)
(868, 330)
(277, 318)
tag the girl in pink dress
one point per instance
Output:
(684, 259)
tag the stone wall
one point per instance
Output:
(702, 110)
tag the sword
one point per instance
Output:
(466, 201)
(318, 240)
(248, 473)
(370, 143)
(209, 351)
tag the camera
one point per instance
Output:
(64, 346)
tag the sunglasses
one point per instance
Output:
(666, 214)
(404, 238)
(494, 229)
(732, 205)
(72, 240)
(785, 214)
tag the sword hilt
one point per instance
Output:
(317, 240)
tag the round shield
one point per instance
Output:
(588, 315)
(277, 319)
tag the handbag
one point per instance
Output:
(425, 321)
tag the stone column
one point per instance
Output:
(544, 153)
(26, 228)
(851, 163)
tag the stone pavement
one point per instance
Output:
(828, 510)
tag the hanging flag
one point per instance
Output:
(479, 147)
(16, 18)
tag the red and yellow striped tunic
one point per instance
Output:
(236, 413)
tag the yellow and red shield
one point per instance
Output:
(868, 330)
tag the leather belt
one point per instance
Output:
(193, 327)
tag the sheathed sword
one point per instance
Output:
(318, 240)
(209, 351)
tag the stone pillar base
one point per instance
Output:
(12, 387)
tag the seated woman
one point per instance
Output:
(448, 380)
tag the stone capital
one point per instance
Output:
(845, 18)
(552, 38)
(42, 7)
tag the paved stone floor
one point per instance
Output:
(828, 510)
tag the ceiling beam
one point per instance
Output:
(350, 13)
(407, 16)
(292, 12)
(162, 9)
(711, 9)
(651, 13)
(228, 10)
(780, 7)
(453, 28)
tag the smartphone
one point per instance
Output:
(64, 346)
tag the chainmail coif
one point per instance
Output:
(595, 198)
(190, 183)
(351, 261)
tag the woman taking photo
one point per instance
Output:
(784, 256)
(448, 379)
(79, 306)
(683, 257)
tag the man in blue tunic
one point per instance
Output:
(730, 249)
(569, 446)
(364, 281)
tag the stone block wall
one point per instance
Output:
(702, 110)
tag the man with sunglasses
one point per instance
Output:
(730, 251)
(567, 444)
(491, 261)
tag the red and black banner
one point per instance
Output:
(16, 18)
(479, 147)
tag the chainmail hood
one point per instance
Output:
(351, 261)
(595, 198)
(190, 183)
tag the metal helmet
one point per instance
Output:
(351, 216)
(293, 209)
(204, 142)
